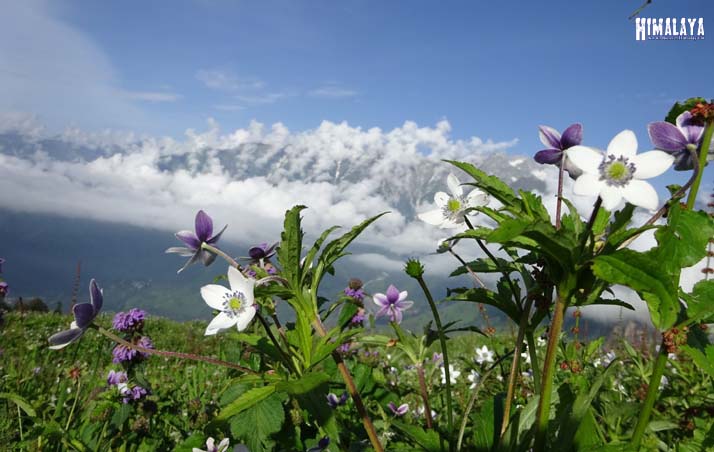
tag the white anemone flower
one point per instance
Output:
(453, 374)
(236, 304)
(473, 378)
(484, 355)
(618, 173)
(452, 208)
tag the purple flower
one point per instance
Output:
(400, 410)
(358, 319)
(677, 140)
(133, 320)
(4, 288)
(84, 314)
(556, 144)
(122, 353)
(392, 304)
(135, 393)
(354, 289)
(194, 241)
(333, 401)
(115, 378)
(321, 445)
(262, 251)
(345, 348)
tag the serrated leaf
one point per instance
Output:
(533, 206)
(256, 424)
(703, 360)
(304, 384)
(483, 265)
(310, 257)
(683, 241)
(485, 296)
(700, 303)
(491, 185)
(427, 440)
(245, 401)
(644, 275)
(291, 246)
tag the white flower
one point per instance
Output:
(236, 304)
(211, 446)
(419, 412)
(453, 374)
(526, 357)
(473, 378)
(618, 173)
(452, 209)
(484, 355)
(540, 341)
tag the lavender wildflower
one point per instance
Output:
(398, 411)
(354, 289)
(393, 303)
(135, 393)
(358, 319)
(557, 144)
(678, 140)
(130, 321)
(84, 314)
(333, 401)
(116, 378)
(122, 353)
(194, 241)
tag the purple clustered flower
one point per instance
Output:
(354, 289)
(194, 241)
(122, 353)
(333, 401)
(114, 378)
(398, 411)
(678, 140)
(130, 321)
(392, 304)
(557, 144)
(135, 393)
(358, 319)
(345, 348)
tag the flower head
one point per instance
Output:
(453, 208)
(398, 411)
(116, 378)
(333, 401)
(134, 393)
(122, 353)
(354, 289)
(484, 355)
(195, 241)
(618, 173)
(236, 304)
(212, 447)
(392, 304)
(84, 315)
(473, 378)
(132, 320)
(678, 140)
(453, 374)
(557, 144)
(262, 251)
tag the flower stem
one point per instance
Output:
(288, 362)
(471, 272)
(190, 356)
(651, 397)
(703, 154)
(470, 405)
(424, 396)
(515, 366)
(217, 251)
(534, 361)
(494, 260)
(74, 404)
(559, 201)
(445, 353)
(352, 389)
(543, 413)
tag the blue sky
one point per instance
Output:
(493, 69)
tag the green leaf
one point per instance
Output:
(679, 108)
(491, 185)
(291, 246)
(508, 230)
(256, 424)
(245, 401)
(683, 241)
(310, 257)
(483, 426)
(346, 313)
(483, 265)
(533, 206)
(427, 440)
(703, 360)
(485, 296)
(699, 303)
(304, 384)
(643, 274)
(20, 402)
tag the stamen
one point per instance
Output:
(233, 303)
(616, 171)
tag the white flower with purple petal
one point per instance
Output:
(619, 172)
(194, 241)
(678, 140)
(236, 304)
(557, 144)
(453, 208)
(392, 304)
(84, 315)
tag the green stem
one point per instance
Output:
(470, 405)
(19, 420)
(217, 251)
(151, 351)
(286, 359)
(445, 352)
(543, 413)
(74, 404)
(466, 266)
(424, 395)
(703, 154)
(534, 361)
(652, 393)
(515, 367)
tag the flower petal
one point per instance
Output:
(245, 317)
(432, 217)
(651, 164)
(84, 313)
(396, 315)
(611, 196)
(548, 156)
(441, 199)
(572, 136)
(549, 137)
(404, 304)
(189, 238)
(180, 250)
(624, 144)
(477, 198)
(454, 186)
(691, 130)
(402, 295)
(587, 185)
(204, 226)
(64, 338)
(392, 294)
(240, 283)
(380, 300)
(585, 158)
(214, 295)
(220, 322)
(95, 295)
(215, 238)
(666, 136)
(641, 193)
(207, 257)
(193, 259)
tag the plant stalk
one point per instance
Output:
(515, 367)
(217, 251)
(445, 353)
(190, 356)
(424, 396)
(651, 397)
(703, 154)
(534, 361)
(288, 362)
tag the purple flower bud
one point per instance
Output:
(398, 411)
(321, 445)
(122, 353)
(130, 321)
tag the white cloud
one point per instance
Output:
(227, 81)
(332, 92)
(261, 99)
(152, 96)
(229, 107)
